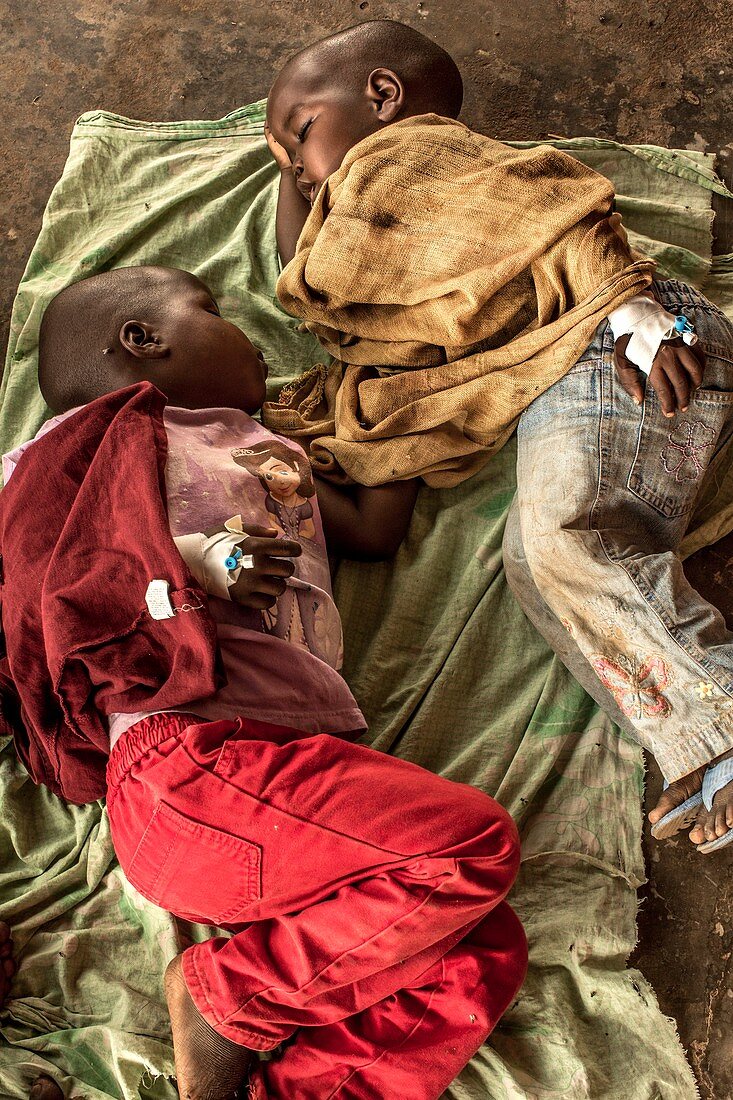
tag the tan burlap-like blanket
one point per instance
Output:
(454, 279)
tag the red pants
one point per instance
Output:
(364, 894)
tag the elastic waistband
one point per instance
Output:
(140, 738)
(150, 732)
(674, 292)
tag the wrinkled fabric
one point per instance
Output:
(83, 532)
(272, 663)
(89, 1009)
(280, 664)
(592, 545)
(473, 273)
(364, 897)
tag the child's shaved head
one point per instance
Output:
(78, 353)
(431, 77)
(155, 324)
(332, 95)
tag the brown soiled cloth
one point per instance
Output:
(453, 279)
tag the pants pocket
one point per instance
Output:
(195, 871)
(672, 455)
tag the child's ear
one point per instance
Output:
(140, 339)
(387, 93)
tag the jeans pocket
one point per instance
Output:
(195, 871)
(672, 455)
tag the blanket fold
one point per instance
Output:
(453, 279)
(80, 641)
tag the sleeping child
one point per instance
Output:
(465, 290)
(171, 642)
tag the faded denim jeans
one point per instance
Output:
(605, 493)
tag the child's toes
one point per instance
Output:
(721, 825)
(697, 833)
(712, 824)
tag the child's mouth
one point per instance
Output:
(308, 190)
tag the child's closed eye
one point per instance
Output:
(304, 130)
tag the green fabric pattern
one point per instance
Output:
(446, 668)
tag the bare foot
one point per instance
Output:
(208, 1066)
(710, 824)
(7, 962)
(677, 793)
(43, 1088)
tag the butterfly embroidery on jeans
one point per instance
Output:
(637, 687)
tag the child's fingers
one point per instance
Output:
(260, 601)
(693, 358)
(663, 389)
(249, 590)
(683, 367)
(270, 586)
(258, 531)
(275, 567)
(678, 378)
(678, 369)
(261, 586)
(281, 155)
(280, 548)
(691, 355)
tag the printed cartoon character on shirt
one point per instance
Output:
(286, 477)
(304, 615)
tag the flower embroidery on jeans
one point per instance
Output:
(709, 693)
(685, 450)
(636, 687)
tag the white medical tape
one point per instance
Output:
(216, 550)
(206, 557)
(649, 324)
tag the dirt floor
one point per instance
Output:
(645, 71)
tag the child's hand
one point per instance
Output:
(260, 586)
(293, 207)
(282, 160)
(677, 370)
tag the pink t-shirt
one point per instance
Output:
(281, 664)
